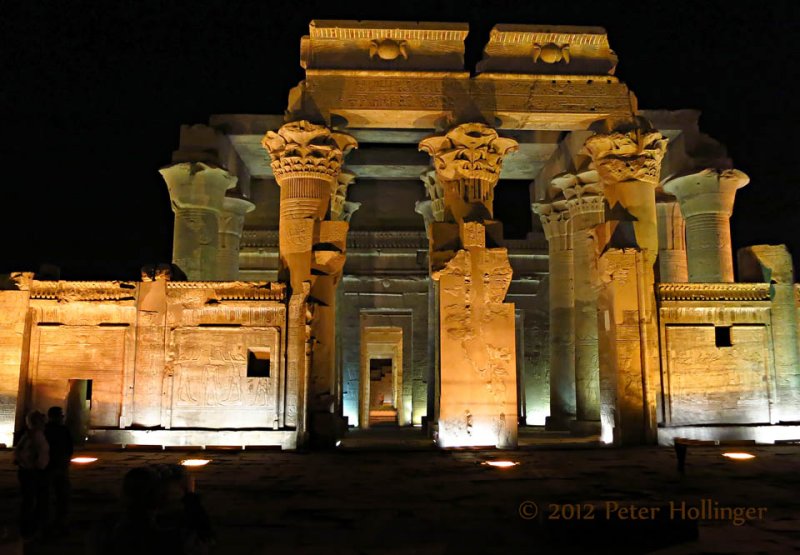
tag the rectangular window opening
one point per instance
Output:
(722, 336)
(258, 362)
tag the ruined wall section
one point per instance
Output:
(159, 354)
(717, 359)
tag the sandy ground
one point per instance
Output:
(374, 495)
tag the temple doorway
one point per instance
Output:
(381, 380)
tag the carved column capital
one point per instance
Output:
(435, 193)
(708, 191)
(468, 160)
(585, 201)
(633, 155)
(305, 149)
(556, 222)
(197, 185)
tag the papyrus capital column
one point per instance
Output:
(672, 265)
(558, 231)
(196, 191)
(231, 224)
(307, 164)
(306, 161)
(629, 164)
(628, 161)
(586, 206)
(478, 376)
(435, 193)
(468, 160)
(706, 200)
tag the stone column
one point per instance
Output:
(587, 211)
(231, 223)
(558, 231)
(478, 380)
(773, 264)
(197, 190)
(672, 266)
(628, 161)
(706, 200)
(307, 162)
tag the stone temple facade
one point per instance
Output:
(343, 265)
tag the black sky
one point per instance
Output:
(92, 95)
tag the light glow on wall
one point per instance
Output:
(83, 460)
(195, 462)
(500, 464)
(739, 456)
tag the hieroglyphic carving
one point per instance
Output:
(713, 291)
(210, 367)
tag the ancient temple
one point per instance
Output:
(343, 265)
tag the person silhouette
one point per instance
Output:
(31, 455)
(61, 449)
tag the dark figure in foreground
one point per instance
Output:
(61, 448)
(163, 514)
(32, 455)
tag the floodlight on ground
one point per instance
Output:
(195, 462)
(500, 464)
(83, 460)
(739, 456)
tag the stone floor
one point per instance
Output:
(384, 496)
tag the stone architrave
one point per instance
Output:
(773, 264)
(307, 164)
(586, 207)
(477, 378)
(706, 200)
(231, 224)
(197, 191)
(555, 220)
(672, 264)
(628, 161)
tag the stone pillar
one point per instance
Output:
(478, 380)
(231, 223)
(628, 161)
(672, 266)
(307, 162)
(151, 331)
(14, 346)
(197, 190)
(706, 200)
(587, 211)
(773, 264)
(558, 231)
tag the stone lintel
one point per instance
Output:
(383, 45)
(548, 49)
(408, 100)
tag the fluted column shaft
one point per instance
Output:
(197, 191)
(706, 200)
(231, 224)
(672, 264)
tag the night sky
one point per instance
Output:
(93, 94)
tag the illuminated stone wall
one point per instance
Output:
(160, 355)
